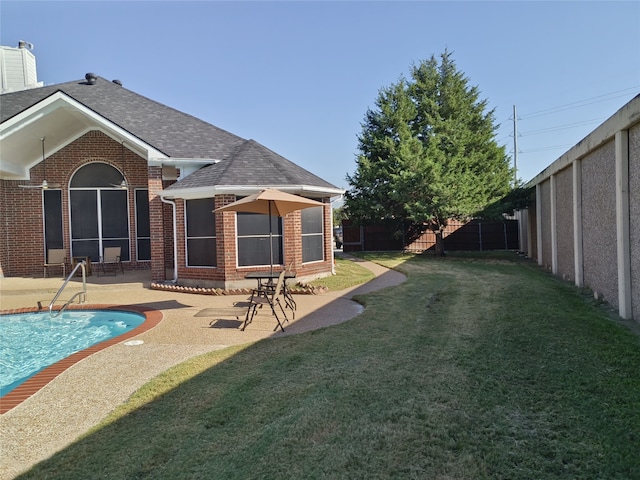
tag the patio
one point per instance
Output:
(82, 395)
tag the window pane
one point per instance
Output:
(86, 248)
(258, 224)
(312, 248)
(253, 239)
(96, 175)
(143, 228)
(200, 218)
(312, 220)
(201, 252)
(53, 219)
(84, 214)
(115, 218)
(254, 251)
(144, 249)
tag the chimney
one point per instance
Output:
(18, 68)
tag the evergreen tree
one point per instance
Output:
(427, 153)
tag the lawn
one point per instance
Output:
(478, 367)
(348, 274)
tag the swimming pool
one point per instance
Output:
(30, 342)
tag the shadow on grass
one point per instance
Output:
(468, 370)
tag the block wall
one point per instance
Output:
(599, 222)
(634, 216)
(598, 226)
(227, 274)
(23, 250)
(564, 223)
(545, 224)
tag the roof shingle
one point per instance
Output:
(176, 134)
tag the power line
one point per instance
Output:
(562, 127)
(544, 149)
(580, 103)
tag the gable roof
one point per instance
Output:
(174, 133)
(162, 131)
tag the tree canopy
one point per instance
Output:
(427, 152)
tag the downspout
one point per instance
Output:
(175, 239)
(333, 256)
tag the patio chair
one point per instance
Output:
(288, 297)
(111, 256)
(269, 296)
(56, 257)
(269, 286)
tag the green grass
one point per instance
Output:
(348, 274)
(477, 367)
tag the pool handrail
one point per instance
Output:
(83, 293)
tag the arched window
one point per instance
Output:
(99, 211)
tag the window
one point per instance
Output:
(312, 236)
(143, 228)
(99, 211)
(201, 233)
(254, 241)
(53, 237)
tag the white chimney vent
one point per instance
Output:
(18, 68)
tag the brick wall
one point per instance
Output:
(22, 231)
(22, 209)
(227, 274)
(157, 224)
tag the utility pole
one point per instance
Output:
(515, 146)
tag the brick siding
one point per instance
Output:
(23, 251)
(22, 231)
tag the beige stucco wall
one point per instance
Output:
(634, 216)
(545, 222)
(564, 223)
(599, 222)
(596, 240)
(532, 219)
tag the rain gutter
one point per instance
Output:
(191, 193)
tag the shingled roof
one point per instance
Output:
(170, 131)
(250, 165)
(175, 134)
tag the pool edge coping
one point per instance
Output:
(35, 383)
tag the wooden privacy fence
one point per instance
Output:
(472, 236)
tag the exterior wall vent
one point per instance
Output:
(23, 44)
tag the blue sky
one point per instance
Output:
(299, 76)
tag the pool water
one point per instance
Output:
(30, 342)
